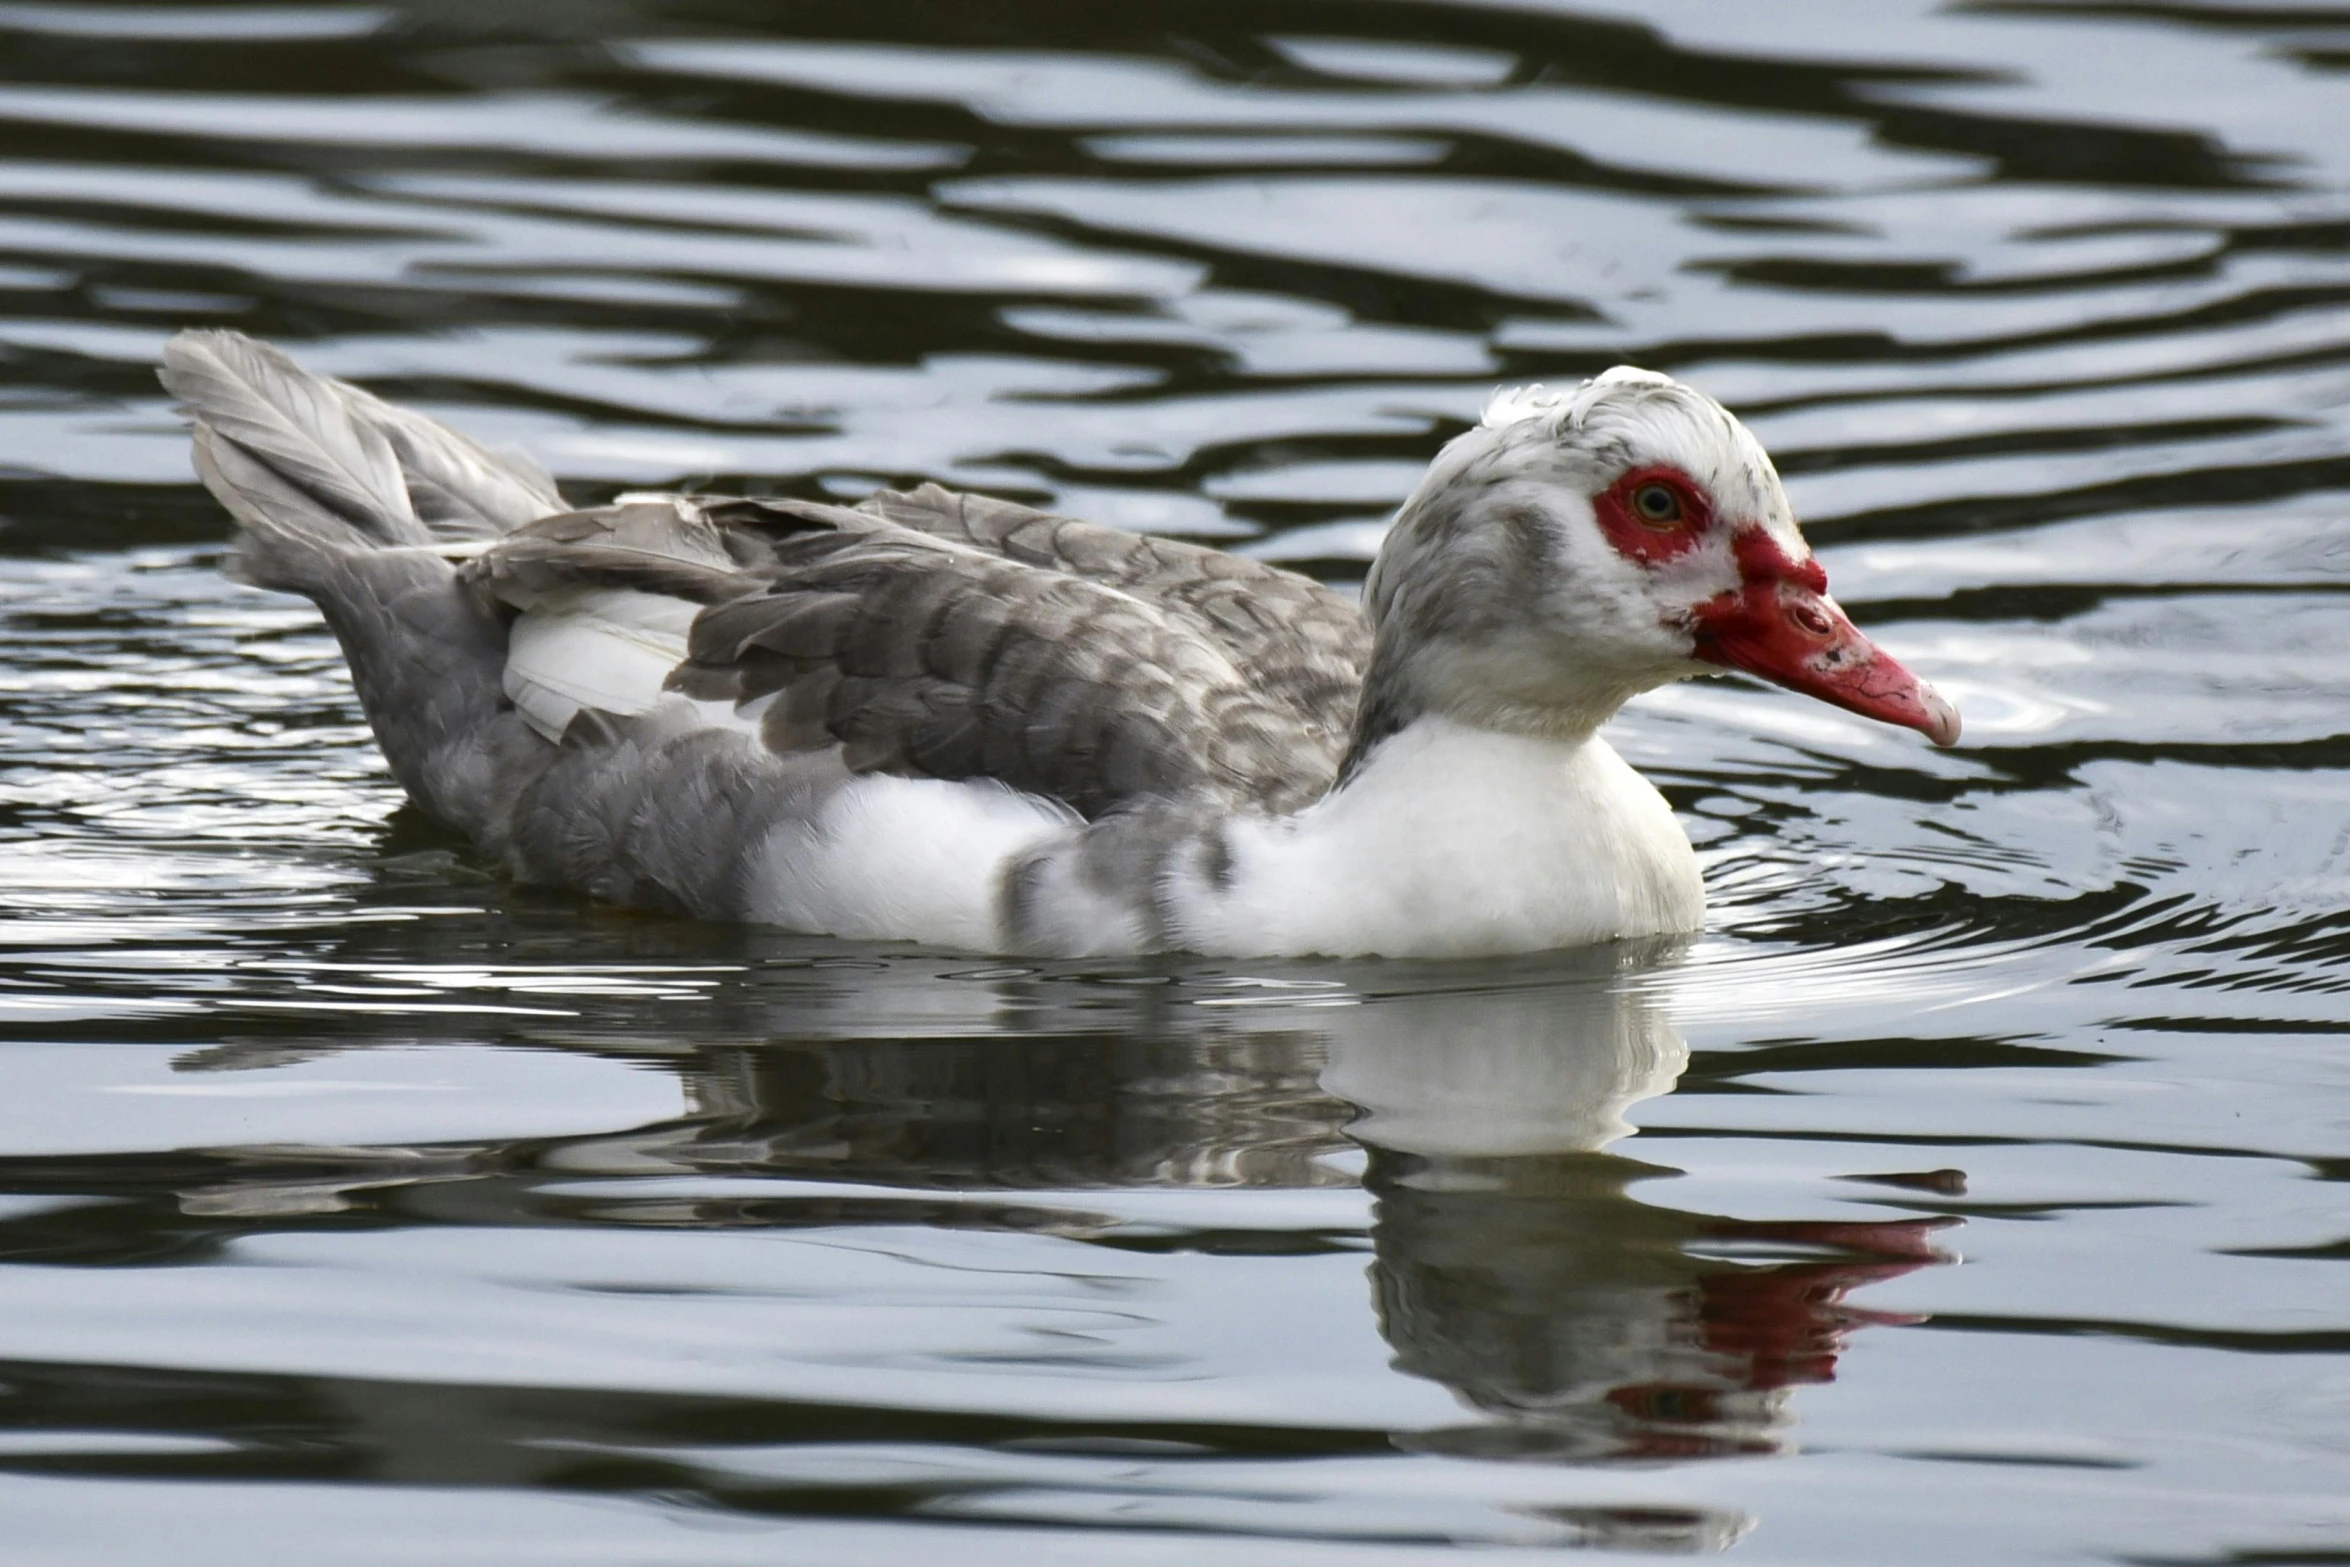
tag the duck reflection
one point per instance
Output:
(1512, 1261)
(1514, 1265)
(1514, 1258)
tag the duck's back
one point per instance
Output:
(680, 701)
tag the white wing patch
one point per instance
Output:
(605, 648)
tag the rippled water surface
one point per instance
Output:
(1986, 1200)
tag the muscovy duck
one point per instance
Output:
(957, 721)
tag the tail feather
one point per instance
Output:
(459, 488)
(280, 449)
(355, 504)
(314, 468)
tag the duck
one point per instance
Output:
(960, 722)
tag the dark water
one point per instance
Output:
(1987, 1202)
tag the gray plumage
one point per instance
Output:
(1148, 685)
(948, 636)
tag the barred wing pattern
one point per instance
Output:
(939, 635)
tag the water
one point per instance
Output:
(1985, 1203)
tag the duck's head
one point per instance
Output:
(1579, 547)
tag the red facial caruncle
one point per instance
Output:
(1654, 514)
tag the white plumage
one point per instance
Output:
(607, 649)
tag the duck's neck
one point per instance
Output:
(1411, 681)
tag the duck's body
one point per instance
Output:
(957, 721)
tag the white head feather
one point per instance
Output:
(1655, 418)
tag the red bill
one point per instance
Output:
(1782, 626)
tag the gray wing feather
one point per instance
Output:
(664, 546)
(1082, 663)
(1299, 642)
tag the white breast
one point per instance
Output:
(1453, 842)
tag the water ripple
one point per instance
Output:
(356, 1205)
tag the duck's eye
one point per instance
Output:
(1658, 505)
